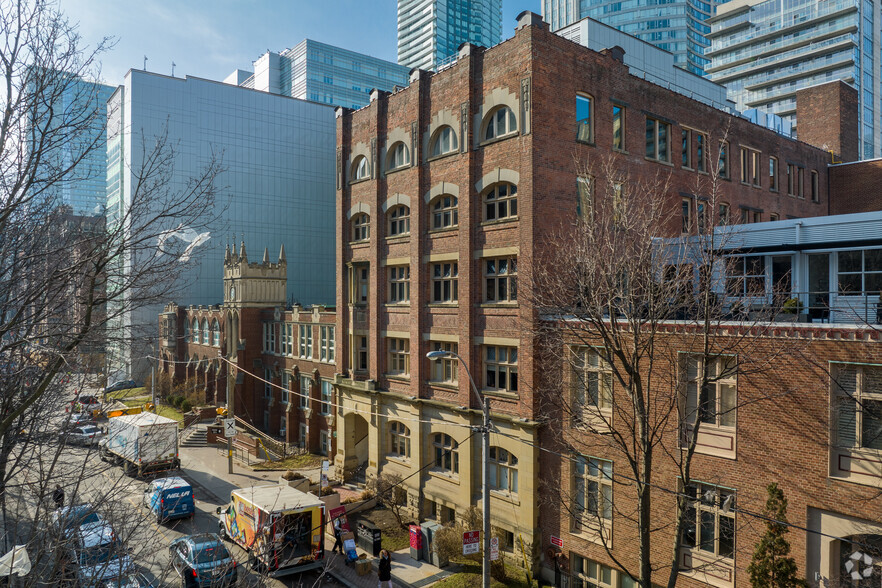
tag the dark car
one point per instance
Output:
(203, 560)
(122, 385)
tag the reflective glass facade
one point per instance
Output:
(431, 31)
(327, 74)
(765, 51)
(278, 183)
(677, 26)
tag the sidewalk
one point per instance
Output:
(207, 468)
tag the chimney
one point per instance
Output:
(827, 117)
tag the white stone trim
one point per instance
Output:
(359, 208)
(441, 188)
(497, 175)
(395, 200)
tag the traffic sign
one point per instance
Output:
(471, 542)
(557, 542)
(494, 548)
(229, 428)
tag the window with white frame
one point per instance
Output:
(503, 475)
(305, 341)
(399, 356)
(326, 343)
(501, 202)
(658, 134)
(746, 275)
(360, 170)
(305, 386)
(286, 339)
(205, 332)
(286, 382)
(500, 123)
(399, 220)
(592, 492)
(215, 333)
(399, 440)
(399, 284)
(501, 279)
(444, 211)
(269, 337)
(592, 385)
(398, 156)
(327, 397)
(857, 393)
(195, 330)
(446, 453)
(324, 442)
(709, 523)
(445, 282)
(304, 435)
(444, 141)
(360, 285)
(267, 383)
(587, 573)
(444, 369)
(860, 272)
(584, 118)
(501, 368)
(361, 227)
(718, 378)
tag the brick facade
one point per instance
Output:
(828, 118)
(857, 186)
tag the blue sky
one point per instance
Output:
(211, 38)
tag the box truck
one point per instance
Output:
(141, 443)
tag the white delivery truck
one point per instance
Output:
(141, 443)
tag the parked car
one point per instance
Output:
(121, 385)
(132, 580)
(170, 498)
(203, 560)
(67, 518)
(86, 435)
(77, 420)
(92, 554)
(83, 404)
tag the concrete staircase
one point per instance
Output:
(197, 436)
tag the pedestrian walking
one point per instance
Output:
(58, 496)
(385, 570)
(338, 540)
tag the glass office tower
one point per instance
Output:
(322, 73)
(764, 51)
(277, 187)
(677, 26)
(431, 31)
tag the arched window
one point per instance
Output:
(443, 141)
(503, 470)
(399, 440)
(446, 453)
(204, 339)
(360, 169)
(399, 220)
(444, 212)
(501, 202)
(361, 227)
(194, 330)
(501, 122)
(215, 333)
(398, 156)
(187, 331)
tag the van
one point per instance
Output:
(170, 498)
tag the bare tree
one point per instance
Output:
(631, 323)
(67, 282)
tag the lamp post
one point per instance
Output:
(484, 429)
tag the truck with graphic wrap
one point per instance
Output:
(280, 527)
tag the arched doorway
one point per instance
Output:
(355, 447)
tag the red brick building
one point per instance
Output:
(448, 190)
(284, 356)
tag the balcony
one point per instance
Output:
(812, 307)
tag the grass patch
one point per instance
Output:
(130, 393)
(293, 462)
(161, 409)
(394, 537)
(470, 576)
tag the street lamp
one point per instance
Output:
(484, 429)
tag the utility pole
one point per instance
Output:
(230, 414)
(484, 429)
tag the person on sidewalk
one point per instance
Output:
(338, 541)
(385, 570)
(58, 496)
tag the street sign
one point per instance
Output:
(557, 542)
(494, 548)
(471, 542)
(229, 428)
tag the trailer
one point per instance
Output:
(280, 527)
(142, 443)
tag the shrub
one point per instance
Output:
(350, 500)
(327, 491)
(792, 306)
(367, 494)
(186, 406)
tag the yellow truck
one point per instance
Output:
(280, 527)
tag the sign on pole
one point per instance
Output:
(325, 467)
(471, 542)
(557, 542)
(494, 548)
(229, 428)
